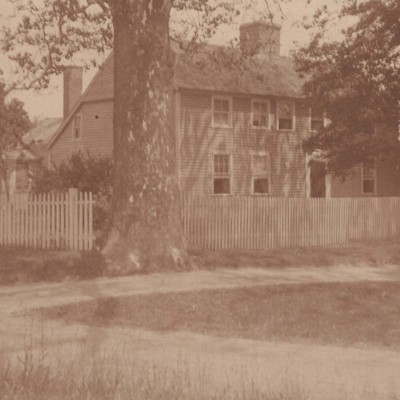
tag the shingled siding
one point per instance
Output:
(200, 141)
(97, 128)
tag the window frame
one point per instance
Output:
(222, 176)
(374, 179)
(230, 112)
(267, 102)
(74, 137)
(254, 175)
(293, 103)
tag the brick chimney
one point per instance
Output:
(260, 37)
(72, 87)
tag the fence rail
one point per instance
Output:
(61, 221)
(256, 223)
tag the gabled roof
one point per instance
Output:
(105, 72)
(261, 75)
(219, 69)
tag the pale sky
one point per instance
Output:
(48, 103)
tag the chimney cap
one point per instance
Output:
(72, 66)
(269, 24)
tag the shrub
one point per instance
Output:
(87, 174)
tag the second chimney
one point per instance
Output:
(260, 37)
(73, 77)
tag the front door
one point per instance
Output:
(318, 179)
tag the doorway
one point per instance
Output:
(317, 179)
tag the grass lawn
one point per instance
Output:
(336, 313)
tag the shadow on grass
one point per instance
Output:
(349, 314)
(28, 266)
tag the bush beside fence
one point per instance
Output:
(257, 223)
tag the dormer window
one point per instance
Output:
(260, 114)
(285, 115)
(222, 111)
(77, 127)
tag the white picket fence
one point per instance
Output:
(62, 221)
(257, 222)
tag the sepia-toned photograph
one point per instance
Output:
(199, 200)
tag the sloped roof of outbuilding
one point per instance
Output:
(20, 154)
(38, 138)
(43, 131)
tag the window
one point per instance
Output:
(261, 173)
(77, 127)
(369, 178)
(285, 115)
(222, 174)
(317, 120)
(260, 114)
(222, 111)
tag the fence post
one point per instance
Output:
(73, 217)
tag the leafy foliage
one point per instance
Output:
(356, 81)
(14, 124)
(85, 173)
(47, 35)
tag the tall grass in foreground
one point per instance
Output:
(32, 377)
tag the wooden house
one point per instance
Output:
(239, 130)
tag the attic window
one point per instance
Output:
(77, 127)
(222, 111)
(260, 114)
(285, 115)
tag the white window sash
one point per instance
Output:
(79, 117)
(267, 113)
(214, 111)
(293, 108)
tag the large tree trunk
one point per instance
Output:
(146, 231)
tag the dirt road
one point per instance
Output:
(322, 372)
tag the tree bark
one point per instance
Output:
(146, 232)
